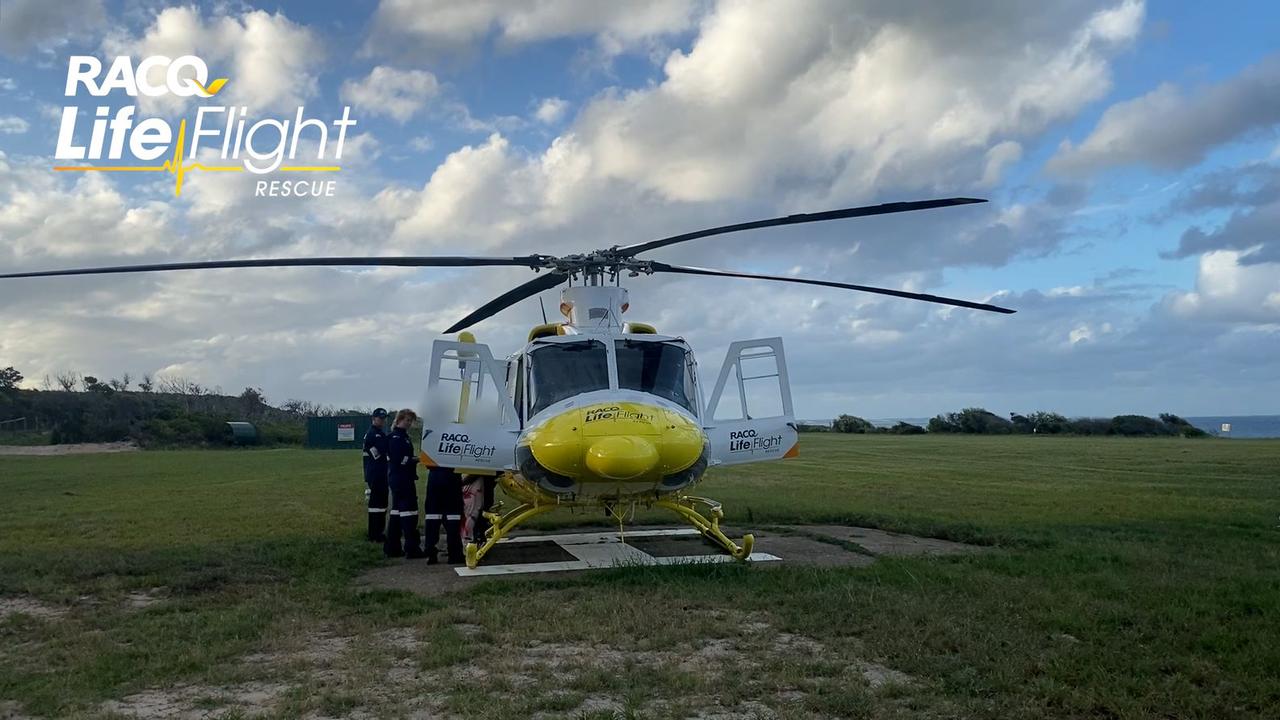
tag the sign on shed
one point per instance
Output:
(346, 432)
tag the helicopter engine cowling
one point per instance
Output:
(613, 449)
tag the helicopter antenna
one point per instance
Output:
(544, 309)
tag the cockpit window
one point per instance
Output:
(562, 370)
(656, 368)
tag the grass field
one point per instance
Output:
(1129, 579)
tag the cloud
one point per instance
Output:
(398, 94)
(440, 26)
(837, 100)
(1229, 291)
(1170, 128)
(39, 25)
(1252, 192)
(551, 110)
(13, 125)
(271, 61)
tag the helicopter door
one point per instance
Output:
(468, 421)
(749, 417)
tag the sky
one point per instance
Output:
(1129, 152)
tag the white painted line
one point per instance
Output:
(712, 559)
(599, 537)
(522, 568)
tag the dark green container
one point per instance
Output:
(243, 433)
(342, 432)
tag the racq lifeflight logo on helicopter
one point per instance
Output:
(262, 147)
(749, 441)
(460, 445)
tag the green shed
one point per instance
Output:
(243, 433)
(341, 432)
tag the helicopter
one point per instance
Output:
(596, 411)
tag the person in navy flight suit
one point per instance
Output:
(375, 476)
(444, 504)
(402, 464)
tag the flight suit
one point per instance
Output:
(402, 473)
(375, 478)
(444, 505)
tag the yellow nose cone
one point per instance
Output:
(621, 457)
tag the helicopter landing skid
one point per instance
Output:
(501, 525)
(708, 523)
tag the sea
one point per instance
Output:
(1242, 426)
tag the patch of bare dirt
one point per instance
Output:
(18, 605)
(68, 449)
(140, 599)
(196, 701)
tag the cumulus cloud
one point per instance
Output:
(551, 110)
(270, 60)
(438, 26)
(41, 25)
(1170, 128)
(13, 125)
(398, 94)
(838, 99)
(1228, 290)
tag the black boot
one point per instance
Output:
(377, 526)
(453, 540)
(391, 545)
(412, 540)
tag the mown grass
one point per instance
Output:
(1129, 578)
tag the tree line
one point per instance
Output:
(164, 410)
(980, 421)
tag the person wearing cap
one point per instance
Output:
(402, 474)
(375, 475)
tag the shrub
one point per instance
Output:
(980, 421)
(906, 428)
(1047, 422)
(943, 424)
(1138, 426)
(852, 424)
(1089, 426)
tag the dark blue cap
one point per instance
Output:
(379, 412)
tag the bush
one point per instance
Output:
(980, 421)
(852, 424)
(943, 424)
(1089, 426)
(906, 428)
(1047, 422)
(1139, 426)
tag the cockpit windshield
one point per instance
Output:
(656, 368)
(562, 370)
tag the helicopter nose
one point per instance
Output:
(621, 457)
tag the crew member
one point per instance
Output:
(402, 473)
(375, 476)
(444, 504)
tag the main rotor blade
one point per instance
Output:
(885, 209)
(664, 267)
(440, 261)
(509, 298)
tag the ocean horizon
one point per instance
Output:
(1242, 426)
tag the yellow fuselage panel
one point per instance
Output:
(617, 442)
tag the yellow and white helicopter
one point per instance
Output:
(597, 411)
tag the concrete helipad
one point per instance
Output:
(604, 550)
(534, 554)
